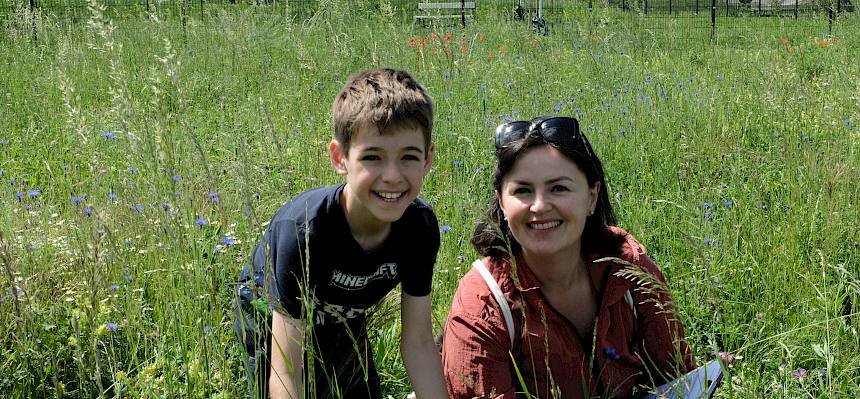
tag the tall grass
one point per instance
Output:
(142, 159)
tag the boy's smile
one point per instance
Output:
(384, 173)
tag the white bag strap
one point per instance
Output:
(497, 293)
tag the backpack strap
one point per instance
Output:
(497, 293)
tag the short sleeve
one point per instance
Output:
(417, 273)
(278, 263)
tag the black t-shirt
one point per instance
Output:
(309, 241)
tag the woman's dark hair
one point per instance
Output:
(493, 236)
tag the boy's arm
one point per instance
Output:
(288, 341)
(420, 356)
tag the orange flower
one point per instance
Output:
(434, 35)
(448, 52)
(447, 37)
(823, 43)
(412, 42)
(784, 41)
(464, 49)
(791, 50)
(461, 39)
(482, 37)
(490, 56)
(422, 41)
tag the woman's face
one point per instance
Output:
(546, 199)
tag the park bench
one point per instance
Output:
(445, 11)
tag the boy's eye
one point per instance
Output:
(411, 157)
(370, 157)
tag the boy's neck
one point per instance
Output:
(369, 232)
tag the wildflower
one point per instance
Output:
(111, 327)
(447, 37)
(708, 241)
(178, 193)
(4, 142)
(791, 50)
(856, 245)
(229, 240)
(88, 211)
(77, 200)
(610, 353)
(707, 205)
(133, 170)
(176, 178)
(34, 193)
(138, 208)
(728, 203)
(822, 373)
(412, 42)
(114, 287)
(805, 138)
(207, 330)
(559, 106)
(127, 277)
(483, 87)
(110, 136)
(201, 222)
(457, 163)
(847, 122)
(445, 228)
(219, 248)
(19, 196)
(708, 214)
(799, 373)
(127, 241)
(165, 206)
(759, 315)
(111, 196)
(434, 35)
(784, 41)
(490, 56)
(461, 259)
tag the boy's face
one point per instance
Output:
(383, 172)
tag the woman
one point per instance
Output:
(591, 314)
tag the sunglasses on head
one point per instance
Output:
(555, 130)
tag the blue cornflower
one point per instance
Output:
(114, 287)
(728, 203)
(201, 222)
(128, 277)
(34, 193)
(707, 205)
(77, 200)
(710, 241)
(2, 172)
(708, 214)
(559, 107)
(219, 248)
(213, 196)
(165, 206)
(610, 353)
(133, 170)
(805, 138)
(127, 241)
(176, 178)
(483, 87)
(110, 136)
(457, 163)
(228, 241)
(446, 74)
(4, 142)
(178, 193)
(88, 211)
(19, 196)
(621, 132)
(138, 208)
(111, 327)
(445, 228)
(508, 119)
(848, 122)
(591, 127)
(111, 196)
(207, 330)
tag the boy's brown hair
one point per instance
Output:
(383, 97)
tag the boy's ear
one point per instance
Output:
(337, 157)
(428, 160)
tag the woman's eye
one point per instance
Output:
(560, 188)
(521, 190)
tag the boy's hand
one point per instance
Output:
(420, 355)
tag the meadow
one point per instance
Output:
(143, 157)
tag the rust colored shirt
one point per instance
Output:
(647, 349)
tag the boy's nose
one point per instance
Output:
(391, 172)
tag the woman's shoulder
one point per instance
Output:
(632, 251)
(473, 292)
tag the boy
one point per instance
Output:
(332, 252)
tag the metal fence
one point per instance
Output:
(705, 19)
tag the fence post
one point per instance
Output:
(759, 6)
(830, 18)
(462, 12)
(713, 19)
(795, 8)
(646, 7)
(697, 7)
(33, 6)
(727, 8)
(670, 7)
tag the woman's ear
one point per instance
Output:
(337, 156)
(593, 196)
